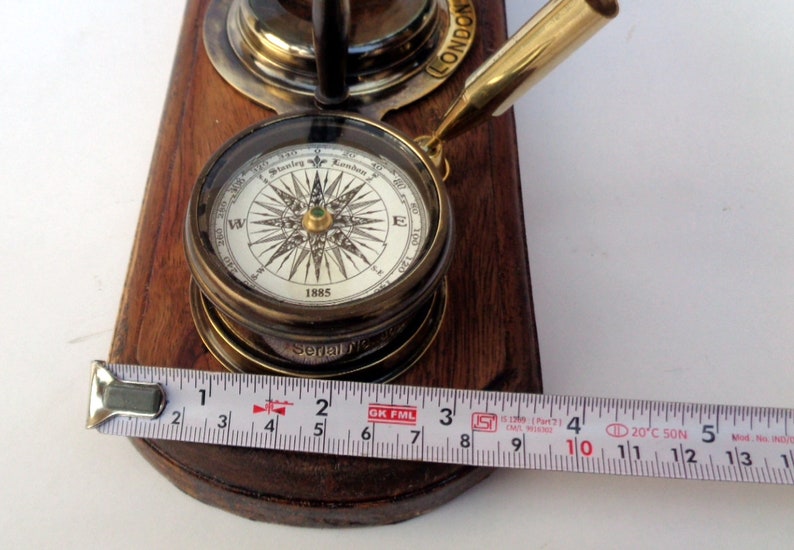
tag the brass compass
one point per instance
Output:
(319, 240)
(318, 244)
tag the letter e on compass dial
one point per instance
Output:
(319, 223)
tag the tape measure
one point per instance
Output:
(475, 428)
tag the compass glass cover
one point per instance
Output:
(320, 210)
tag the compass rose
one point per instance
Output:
(317, 226)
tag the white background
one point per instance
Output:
(658, 174)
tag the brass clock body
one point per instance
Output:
(399, 50)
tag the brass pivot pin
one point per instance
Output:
(544, 41)
(317, 220)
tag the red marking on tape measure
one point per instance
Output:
(273, 407)
(484, 422)
(392, 414)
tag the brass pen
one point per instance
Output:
(544, 41)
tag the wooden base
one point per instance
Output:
(487, 340)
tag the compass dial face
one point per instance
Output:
(318, 223)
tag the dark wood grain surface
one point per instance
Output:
(487, 341)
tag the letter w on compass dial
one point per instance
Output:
(317, 226)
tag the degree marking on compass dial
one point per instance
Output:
(315, 224)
